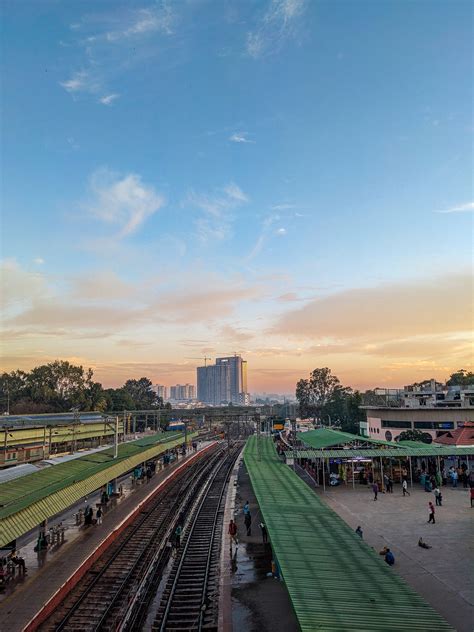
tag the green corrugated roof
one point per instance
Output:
(327, 437)
(36, 497)
(336, 582)
(373, 452)
(21, 492)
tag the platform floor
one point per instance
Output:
(48, 571)
(443, 575)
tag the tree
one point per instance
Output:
(412, 435)
(142, 393)
(314, 393)
(461, 378)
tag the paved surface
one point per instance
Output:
(46, 574)
(443, 575)
(259, 603)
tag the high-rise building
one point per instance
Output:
(223, 382)
(161, 391)
(182, 392)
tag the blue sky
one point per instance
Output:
(190, 178)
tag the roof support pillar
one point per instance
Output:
(411, 472)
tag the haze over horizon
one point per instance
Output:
(285, 179)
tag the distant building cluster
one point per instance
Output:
(224, 382)
(177, 393)
(183, 392)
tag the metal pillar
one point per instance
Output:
(116, 437)
(324, 476)
(411, 472)
(293, 425)
(381, 475)
(353, 481)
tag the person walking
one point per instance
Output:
(264, 533)
(390, 485)
(359, 532)
(233, 533)
(375, 489)
(98, 515)
(437, 495)
(246, 508)
(405, 487)
(432, 513)
(248, 523)
(454, 478)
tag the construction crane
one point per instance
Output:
(205, 358)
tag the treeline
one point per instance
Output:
(323, 397)
(61, 386)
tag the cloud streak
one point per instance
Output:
(124, 201)
(461, 208)
(216, 221)
(277, 25)
(241, 137)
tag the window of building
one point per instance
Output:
(388, 435)
(11, 456)
(396, 424)
(434, 425)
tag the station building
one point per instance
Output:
(387, 423)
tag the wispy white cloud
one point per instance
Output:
(217, 218)
(280, 231)
(241, 137)
(278, 24)
(234, 192)
(145, 21)
(122, 200)
(109, 99)
(80, 81)
(267, 226)
(282, 207)
(38, 261)
(103, 46)
(461, 208)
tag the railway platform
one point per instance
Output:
(53, 574)
(334, 579)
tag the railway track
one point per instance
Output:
(101, 599)
(189, 601)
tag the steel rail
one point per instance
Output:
(140, 522)
(198, 513)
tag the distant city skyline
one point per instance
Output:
(286, 180)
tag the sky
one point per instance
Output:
(286, 179)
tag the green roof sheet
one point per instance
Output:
(29, 500)
(326, 437)
(21, 492)
(336, 582)
(386, 452)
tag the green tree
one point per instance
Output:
(13, 388)
(314, 393)
(118, 399)
(412, 435)
(461, 378)
(142, 393)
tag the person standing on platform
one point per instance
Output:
(405, 487)
(98, 515)
(375, 489)
(233, 533)
(437, 495)
(432, 513)
(264, 533)
(359, 532)
(246, 508)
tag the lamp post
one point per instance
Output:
(293, 425)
